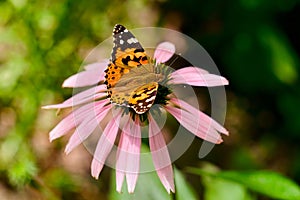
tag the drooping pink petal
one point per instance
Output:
(86, 96)
(164, 51)
(105, 145)
(122, 157)
(133, 160)
(128, 156)
(120, 175)
(196, 77)
(87, 126)
(196, 121)
(93, 75)
(160, 156)
(73, 119)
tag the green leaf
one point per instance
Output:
(216, 188)
(183, 188)
(22, 172)
(269, 183)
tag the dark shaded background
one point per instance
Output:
(254, 43)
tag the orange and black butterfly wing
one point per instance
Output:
(127, 53)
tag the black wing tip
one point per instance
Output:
(118, 29)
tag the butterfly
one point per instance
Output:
(130, 75)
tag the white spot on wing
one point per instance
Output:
(132, 40)
(150, 99)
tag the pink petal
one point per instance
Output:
(133, 160)
(193, 125)
(101, 66)
(105, 145)
(197, 77)
(121, 163)
(164, 51)
(205, 118)
(197, 122)
(120, 175)
(121, 157)
(128, 156)
(86, 96)
(160, 155)
(87, 126)
(73, 119)
(85, 78)
(93, 75)
(189, 70)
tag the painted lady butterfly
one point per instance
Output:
(130, 76)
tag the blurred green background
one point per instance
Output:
(255, 44)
